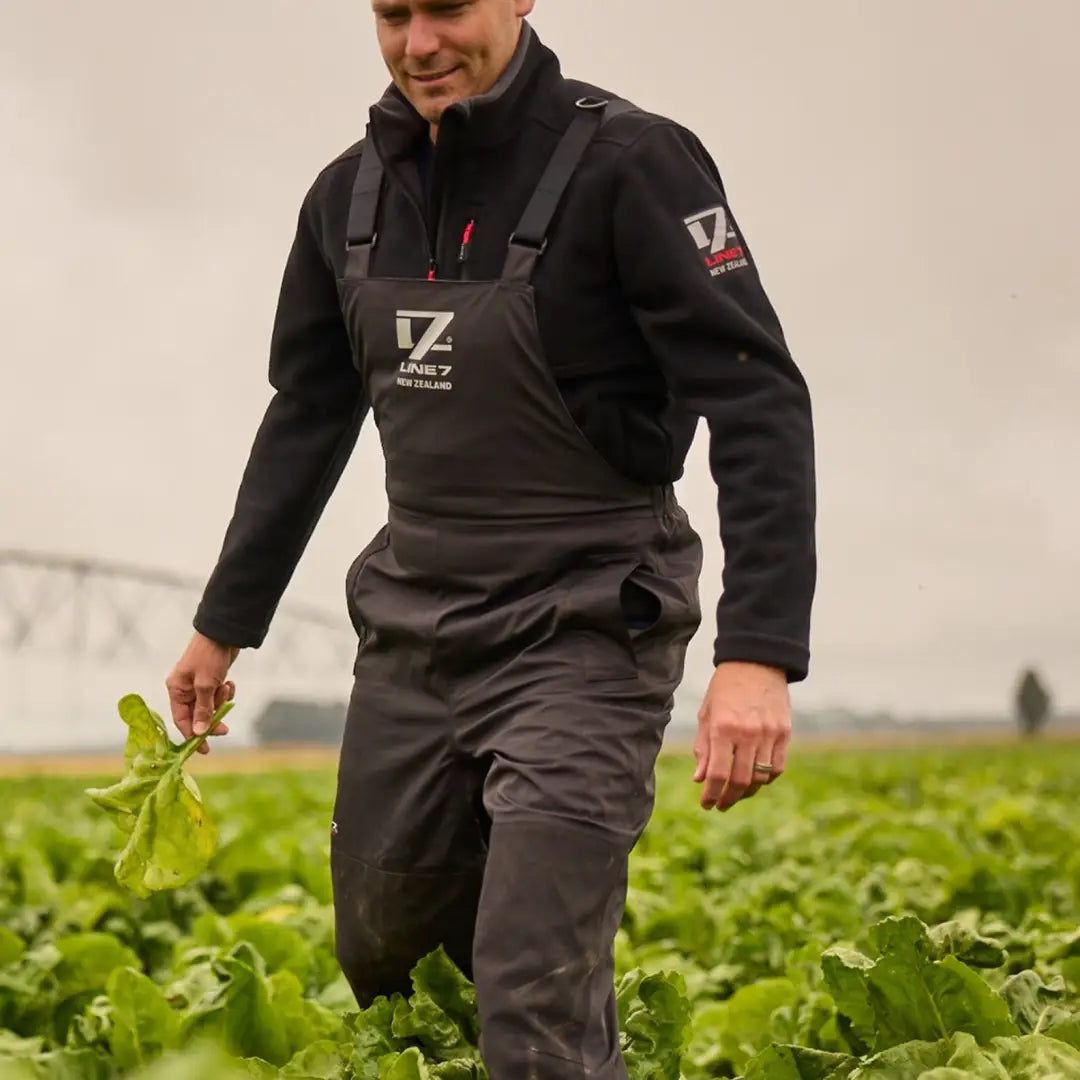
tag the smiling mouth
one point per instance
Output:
(434, 77)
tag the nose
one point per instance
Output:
(423, 41)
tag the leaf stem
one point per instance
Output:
(189, 746)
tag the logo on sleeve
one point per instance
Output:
(712, 232)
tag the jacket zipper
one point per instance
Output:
(434, 236)
(440, 218)
(432, 265)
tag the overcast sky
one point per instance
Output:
(906, 175)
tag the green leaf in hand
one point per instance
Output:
(157, 805)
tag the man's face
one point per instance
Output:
(442, 51)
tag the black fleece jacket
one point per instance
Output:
(652, 316)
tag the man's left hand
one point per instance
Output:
(744, 720)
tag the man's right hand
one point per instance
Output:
(197, 687)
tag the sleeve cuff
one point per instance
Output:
(791, 656)
(226, 632)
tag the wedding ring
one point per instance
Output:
(761, 767)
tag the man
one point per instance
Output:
(536, 290)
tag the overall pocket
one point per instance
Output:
(632, 620)
(605, 606)
(378, 543)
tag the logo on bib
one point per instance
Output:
(712, 230)
(417, 372)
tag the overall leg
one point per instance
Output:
(569, 793)
(572, 729)
(407, 851)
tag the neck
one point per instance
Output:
(502, 72)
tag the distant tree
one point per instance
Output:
(1032, 704)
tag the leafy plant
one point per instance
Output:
(899, 916)
(157, 805)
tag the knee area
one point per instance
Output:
(384, 923)
(371, 951)
(543, 958)
(552, 901)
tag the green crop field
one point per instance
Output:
(880, 914)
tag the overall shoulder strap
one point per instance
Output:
(530, 237)
(360, 232)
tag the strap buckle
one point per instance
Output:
(538, 248)
(351, 244)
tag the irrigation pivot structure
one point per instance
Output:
(82, 609)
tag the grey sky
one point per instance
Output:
(906, 175)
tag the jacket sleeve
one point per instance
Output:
(697, 298)
(300, 449)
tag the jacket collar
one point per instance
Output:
(485, 120)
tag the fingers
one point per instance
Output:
(197, 688)
(225, 692)
(181, 698)
(744, 727)
(701, 752)
(718, 771)
(222, 693)
(726, 759)
(764, 755)
(779, 756)
(205, 689)
(741, 775)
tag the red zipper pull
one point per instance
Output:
(431, 270)
(465, 240)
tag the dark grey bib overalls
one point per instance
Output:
(523, 618)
